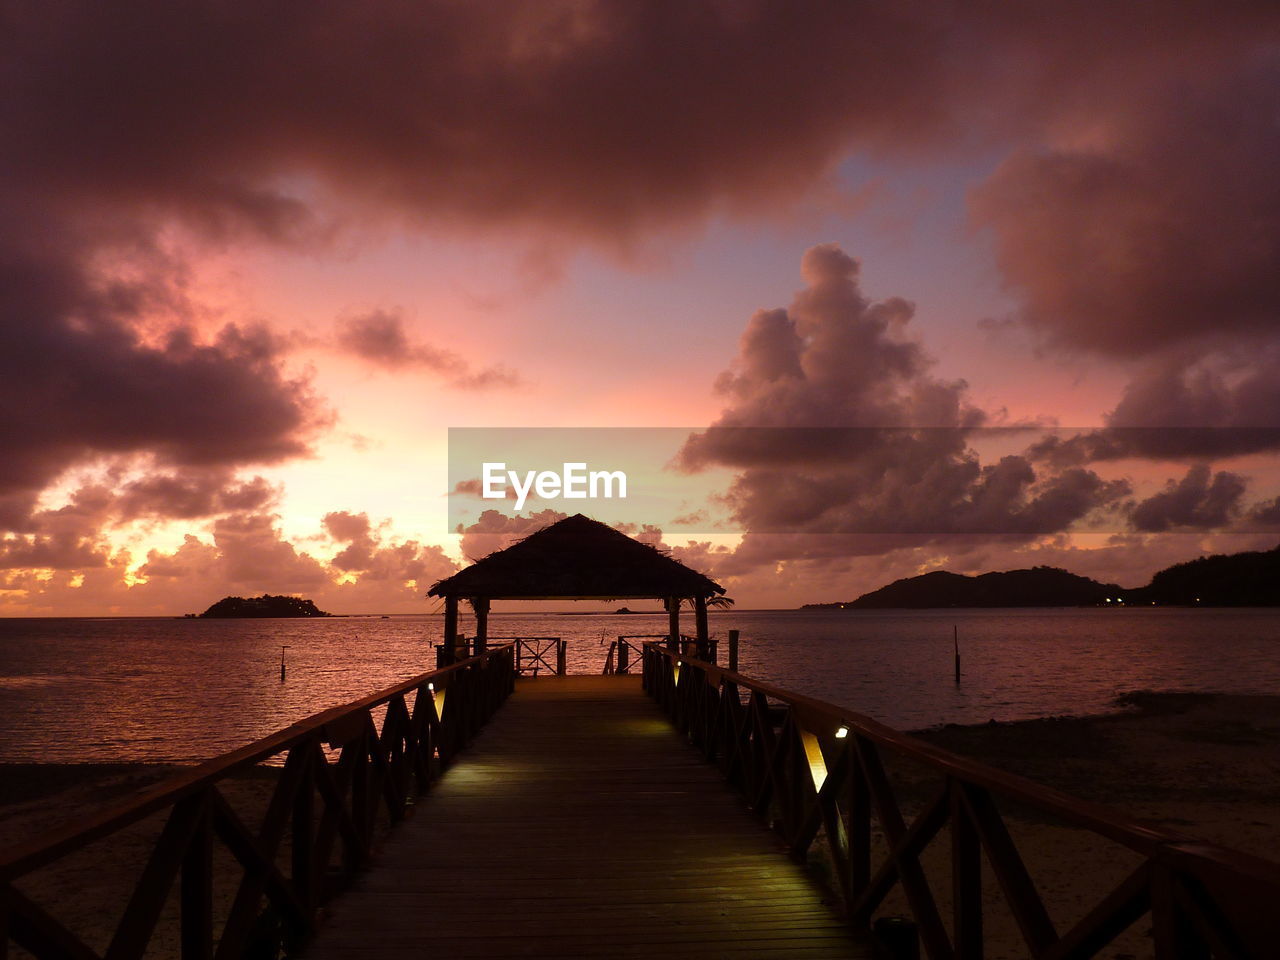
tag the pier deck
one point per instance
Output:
(579, 824)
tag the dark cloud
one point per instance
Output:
(834, 376)
(380, 338)
(1185, 406)
(604, 116)
(1200, 500)
(81, 378)
(190, 494)
(1138, 214)
(1162, 227)
(59, 551)
(347, 527)
(840, 431)
(1265, 514)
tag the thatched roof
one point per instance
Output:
(577, 558)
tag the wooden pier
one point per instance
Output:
(580, 824)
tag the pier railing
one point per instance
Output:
(810, 768)
(344, 778)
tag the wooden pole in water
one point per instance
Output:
(450, 628)
(955, 641)
(701, 629)
(480, 605)
(283, 648)
(733, 650)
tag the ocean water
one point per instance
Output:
(161, 689)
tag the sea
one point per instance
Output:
(182, 690)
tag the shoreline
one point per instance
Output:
(1203, 764)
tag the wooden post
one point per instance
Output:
(700, 626)
(481, 607)
(450, 628)
(196, 910)
(624, 655)
(733, 650)
(561, 646)
(966, 881)
(673, 624)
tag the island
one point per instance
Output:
(1250, 579)
(263, 606)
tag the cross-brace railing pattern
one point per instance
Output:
(811, 769)
(343, 778)
(536, 655)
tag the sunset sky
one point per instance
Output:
(257, 259)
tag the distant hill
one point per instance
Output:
(1241, 579)
(263, 606)
(1232, 580)
(1038, 587)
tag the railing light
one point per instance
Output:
(431, 687)
(842, 733)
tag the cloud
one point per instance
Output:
(190, 494)
(840, 432)
(1136, 215)
(494, 530)
(475, 488)
(380, 338)
(1186, 406)
(1161, 228)
(1199, 500)
(74, 536)
(249, 554)
(834, 371)
(596, 122)
(83, 378)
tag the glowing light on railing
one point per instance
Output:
(813, 752)
(842, 733)
(431, 687)
(676, 671)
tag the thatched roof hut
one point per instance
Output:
(576, 558)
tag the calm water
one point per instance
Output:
(91, 690)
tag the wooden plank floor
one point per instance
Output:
(579, 824)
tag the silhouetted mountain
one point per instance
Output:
(1233, 580)
(1237, 580)
(1039, 587)
(263, 606)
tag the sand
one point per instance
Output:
(1207, 765)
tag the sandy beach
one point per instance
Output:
(1202, 764)
(1207, 765)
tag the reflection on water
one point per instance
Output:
(160, 689)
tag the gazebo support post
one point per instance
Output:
(450, 629)
(700, 624)
(673, 624)
(480, 605)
